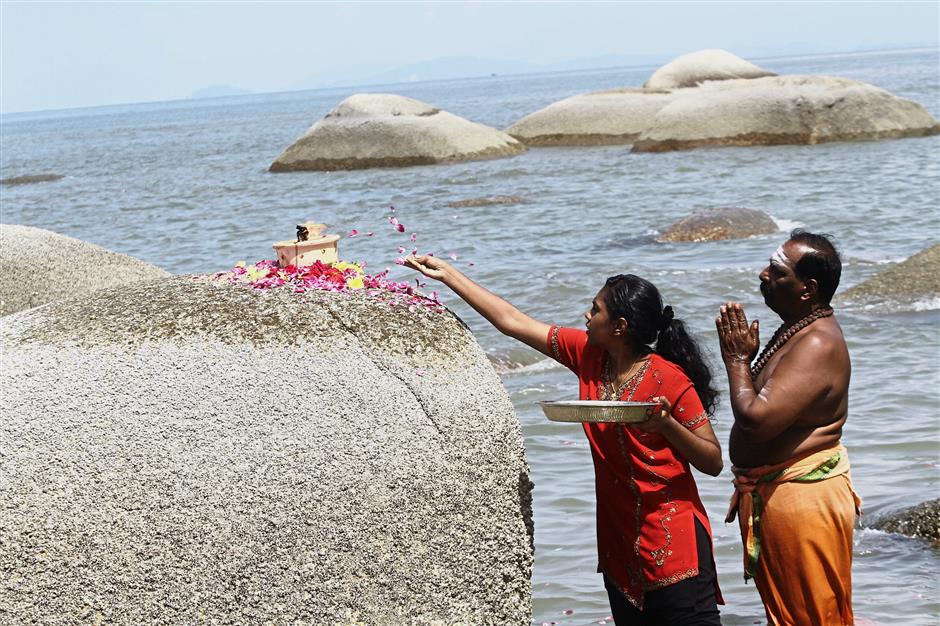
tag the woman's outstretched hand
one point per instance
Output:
(430, 266)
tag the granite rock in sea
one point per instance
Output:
(783, 110)
(386, 130)
(921, 521)
(616, 116)
(914, 279)
(40, 266)
(29, 179)
(718, 223)
(189, 451)
(690, 70)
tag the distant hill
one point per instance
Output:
(445, 68)
(218, 91)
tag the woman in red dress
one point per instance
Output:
(653, 536)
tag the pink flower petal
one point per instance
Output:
(471, 263)
(414, 237)
(401, 228)
(401, 250)
(399, 261)
(368, 234)
(393, 221)
(353, 232)
(453, 256)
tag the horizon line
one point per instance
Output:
(432, 80)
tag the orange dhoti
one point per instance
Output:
(797, 521)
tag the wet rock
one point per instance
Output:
(921, 521)
(616, 116)
(717, 223)
(30, 179)
(40, 266)
(486, 201)
(695, 68)
(384, 130)
(186, 451)
(913, 279)
(783, 110)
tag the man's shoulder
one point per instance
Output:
(820, 339)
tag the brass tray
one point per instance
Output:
(595, 411)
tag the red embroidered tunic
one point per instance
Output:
(647, 501)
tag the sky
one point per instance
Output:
(57, 55)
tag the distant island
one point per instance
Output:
(219, 91)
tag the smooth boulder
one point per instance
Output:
(916, 278)
(695, 68)
(921, 521)
(616, 116)
(719, 223)
(41, 266)
(385, 130)
(188, 451)
(783, 110)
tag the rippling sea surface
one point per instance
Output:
(184, 185)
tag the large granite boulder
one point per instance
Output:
(617, 116)
(718, 223)
(695, 68)
(921, 521)
(384, 130)
(40, 266)
(783, 110)
(916, 278)
(191, 452)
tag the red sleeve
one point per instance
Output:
(566, 345)
(687, 408)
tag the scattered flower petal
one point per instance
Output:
(414, 237)
(453, 256)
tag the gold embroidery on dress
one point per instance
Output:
(695, 421)
(669, 580)
(556, 351)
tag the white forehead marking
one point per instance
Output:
(779, 257)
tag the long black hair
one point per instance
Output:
(638, 301)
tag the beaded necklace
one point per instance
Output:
(783, 335)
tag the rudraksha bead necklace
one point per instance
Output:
(783, 335)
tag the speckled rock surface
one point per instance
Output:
(486, 201)
(385, 130)
(717, 223)
(30, 179)
(921, 521)
(916, 278)
(782, 110)
(185, 451)
(617, 116)
(695, 68)
(40, 266)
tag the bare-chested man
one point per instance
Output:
(793, 494)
